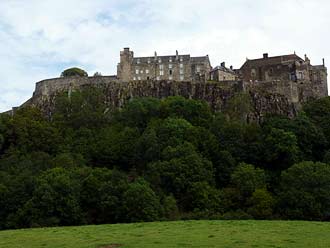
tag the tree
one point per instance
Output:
(280, 149)
(246, 178)
(319, 111)
(181, 166)
(74, 71)
(196, 112)
(310, 138)
(305, 192)
(140, 203)
(55, 200)
(261, 204)
(239, 106)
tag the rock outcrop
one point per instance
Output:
(277, 99)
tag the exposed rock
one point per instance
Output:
(275, 97)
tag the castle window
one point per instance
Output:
(134, 78)
(170, 66)
(137, 71)
(159, 60)
(158, 78)
(271, 71)
(149, 61)
(170, 60)
(170, 72)
(141, 71)
(181, 71)
(138, 61)
(147, 71)
(161, 67)
(181, 65)
(253, 72)
(161, 73)
(170, 78)
(181, 59)
(181, 77)
(139, 78)
(198, 69)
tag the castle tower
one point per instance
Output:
(124, 68)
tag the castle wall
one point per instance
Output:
(267, 98)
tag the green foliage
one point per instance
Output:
(55, 200)
(280, 148)
(246, 178)
(261, 204)
(78, 109)
(141, 203)
(159, 159)
(74, 71)
(319, 112)
(239, 106)
(305, 191)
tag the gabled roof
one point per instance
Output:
(273, 60)
(223, 68)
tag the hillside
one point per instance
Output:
(168, 159)
(175, 234)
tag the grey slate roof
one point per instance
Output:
(185, 58)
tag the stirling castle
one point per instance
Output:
(277, 84)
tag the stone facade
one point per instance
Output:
(173, 67)
(310, 81)
(222, 73)
(277, 85)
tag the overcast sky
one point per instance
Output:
(41, 38)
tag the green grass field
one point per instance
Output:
(176, 234)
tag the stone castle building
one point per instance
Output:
(222, 73)
(172, 67)
(278, 85)
(287, 67)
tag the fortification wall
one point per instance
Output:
(267, 98)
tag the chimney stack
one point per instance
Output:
(231, 67)
(223, 64)
(155, 55)
(323, 62)
(265, 55)
(176, 54)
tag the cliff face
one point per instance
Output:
(215, 94)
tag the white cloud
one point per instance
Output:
(40, 38)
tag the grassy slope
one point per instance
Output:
(176, 234)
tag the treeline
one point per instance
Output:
(161, 160)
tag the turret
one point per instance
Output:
(124, 68)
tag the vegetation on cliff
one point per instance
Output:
(74, 71)
(160, 159)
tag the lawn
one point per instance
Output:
(175, 234)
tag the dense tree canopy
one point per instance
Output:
(161, 159)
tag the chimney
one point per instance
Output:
(231, 67)
(265, 55)
(223, 64)
(126, 49)
(155, 55)
(176, 54)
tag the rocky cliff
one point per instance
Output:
(216, 94)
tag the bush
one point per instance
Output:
(74, 71)
(305, 191)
